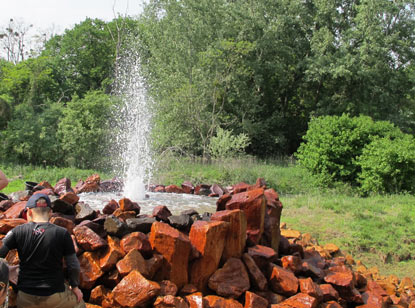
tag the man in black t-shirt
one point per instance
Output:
(42, 246)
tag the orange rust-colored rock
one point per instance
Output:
(253, 300)
(63, 222)
(7, 224)
(288, 233)
(308, 286)
(195, 300)
(213, 301)
(135, 290)
(161, 212)
(128, 205)
(90, 270)
(343, 281)
(272, 219)
(15, 210)
(262, 255)
(236, 235)
(208, 238)
(282, 281)
(253, 203)
(88, 239)
(231, 280)
(329, 293)
(111, 255)
(136, 240)
(124, 215)
(154, 264)
(170, 301)
(257, 277)
(292, 263)
(91, 184)
(167, 288)
(299, 300)
(174, 189)
(98, 294)
(175, 247)
(132, 261)
(70, 197)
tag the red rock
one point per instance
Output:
(283, 281)
(257, 277)
(231, 280)
(331, 304)
(91, 184)
(300, 300)
(373, 299)
(133, 261)
(134, 290)
(136, 240)
(240, 187)
(46, 191)
(170, 301)
(236, 235)
(5, 205)
(45, 184)
(292, 263)
(127, 205)
(161, 212)
(110, 256)
(124, 215)
(88, 305)
(110, 207)
(262, 256)
(88, 239)
(167, 288)
(208, 237)
(253, 204)
(109, 302)
(196, 300)
(272, 219)
(90, 270)
(343, 281)
(260, 182)
(202, 189)
(253, 300)
(213, 301)
(7, 224)
(160, 188)
(111, 278)
(154, 264)
(63, 222)
(69, 197)
(188, 187)
(62, 186)
(217, 190)
(15, 210)
(174, 189)
(221, 203)
(175, 247)
(329, 293)
(272, 298)
(188, 289)
(308, 286)
(98, 294)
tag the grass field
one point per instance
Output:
(378, 230)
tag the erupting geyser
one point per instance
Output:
(133, 127)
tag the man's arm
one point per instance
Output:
(74, 270)
(3, 180)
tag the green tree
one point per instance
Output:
(83, 129)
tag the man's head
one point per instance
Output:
(38, 207)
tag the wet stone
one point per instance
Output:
(110, 207)
(63, 222)
(141, 224)
(174, 189)
(90, 270)
(161, 213)
(60, 206)
(128, 205)
(180, 222)
(63, 186)
(114, 226)
(88, 239)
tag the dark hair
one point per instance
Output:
(41, 210)
(4, 271)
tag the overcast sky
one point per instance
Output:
(62, 14)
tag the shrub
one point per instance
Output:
(388, 166)
(226, 145)
(332, 144)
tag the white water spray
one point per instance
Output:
(134, 128)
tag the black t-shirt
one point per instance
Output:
(41, 248)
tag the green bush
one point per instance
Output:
(225, 145)
(388, 166)
(333, 143)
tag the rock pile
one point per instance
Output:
(239, 256)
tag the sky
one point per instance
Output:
(64, 14)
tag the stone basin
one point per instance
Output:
(176, 203)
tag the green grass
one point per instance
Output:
(378, 230)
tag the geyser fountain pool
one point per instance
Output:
(176, 203)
